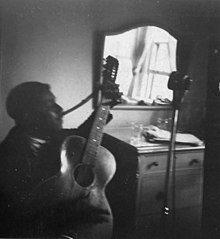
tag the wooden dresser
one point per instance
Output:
(136, 193)
(184, 194)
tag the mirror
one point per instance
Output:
(147, 56)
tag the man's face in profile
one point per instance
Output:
(47, 115)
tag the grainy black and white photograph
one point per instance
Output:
(110, 119)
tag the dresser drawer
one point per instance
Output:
(189, 160)
(151, 163)
(188, 191)
(187, 224)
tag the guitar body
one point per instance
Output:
(75, 204)
(94, 193)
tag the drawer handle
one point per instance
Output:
(154, 164)
(193, 161)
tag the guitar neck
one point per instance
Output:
(96, 133)
(95, 136)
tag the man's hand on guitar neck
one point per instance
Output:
(111, 94)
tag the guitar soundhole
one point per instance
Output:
(84, 175)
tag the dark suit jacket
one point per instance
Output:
(25, 163)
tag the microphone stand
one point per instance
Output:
(180, 84)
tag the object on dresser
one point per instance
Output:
(154, 134)
(161, 101)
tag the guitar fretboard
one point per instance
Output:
(95, 136)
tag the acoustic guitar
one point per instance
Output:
(86, 169)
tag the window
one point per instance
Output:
(147, 56)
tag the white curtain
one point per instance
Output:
(146, 48)
(138, 58)
(137, 52)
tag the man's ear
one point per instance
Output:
(22, 118)
(28, 118)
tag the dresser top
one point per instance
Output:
(125, 134)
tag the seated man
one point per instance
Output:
(30, 154)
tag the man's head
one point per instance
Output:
(32, 105)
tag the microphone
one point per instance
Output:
(179, 81)
(180, 84)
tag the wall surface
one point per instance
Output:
(48, 41)
(52, 41)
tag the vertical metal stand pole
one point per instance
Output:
(171, 165)
(180, 84)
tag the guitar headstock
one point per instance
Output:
(110, 90)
